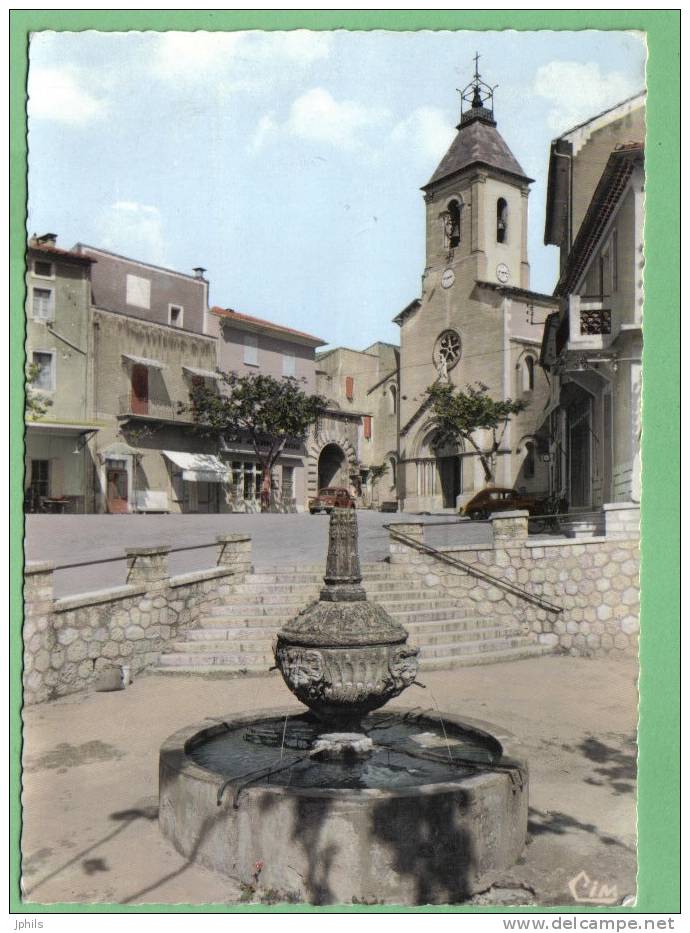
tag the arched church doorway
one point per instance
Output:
(332, 466)
(439, 471)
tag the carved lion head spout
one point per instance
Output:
(404, 665)
(302, 667)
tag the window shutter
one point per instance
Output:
(57, 477)
(367, 427)
(349, 388)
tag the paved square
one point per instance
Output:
(91, 773)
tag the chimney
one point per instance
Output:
(199, 272)
(47, 239)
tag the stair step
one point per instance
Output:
(490, 657)
(254, 588)
(256, 659)
(471, 647)
(229, 633)
(218, 670)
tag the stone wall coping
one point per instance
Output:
(197, 576)
(573, 542)
(517, 513)
(618, 506)
(233, 538)
(148, 551)
(38, 566)
(551, 542)
(97, 596)
(467, 547)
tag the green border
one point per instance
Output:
(659, 783)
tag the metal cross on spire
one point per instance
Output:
(478, 95)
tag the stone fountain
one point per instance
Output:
(344, 803)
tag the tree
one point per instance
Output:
(35, 404)
(376, 471)
(265, 411)
(458, 414)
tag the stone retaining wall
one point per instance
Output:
(69, 642)
(595, 581)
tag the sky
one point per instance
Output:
(288, 164)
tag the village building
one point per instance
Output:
(247, 345)
(148, 347)
(359, 427)
(58, 462)
(476, 320)
(592, 346)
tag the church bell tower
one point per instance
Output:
(477, 200)
(471, 323)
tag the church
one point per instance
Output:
(476, 319)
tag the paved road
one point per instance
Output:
(276, 540)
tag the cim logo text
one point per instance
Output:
(586, 890)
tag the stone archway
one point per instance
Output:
(318, 444)
(333, 467)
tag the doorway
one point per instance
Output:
(580, 453)
(140, 390)
(332, 467)
(450, 474)
(117, 487)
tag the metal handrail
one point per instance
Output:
(474, 571)
(112, 560)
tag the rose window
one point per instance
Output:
(447, 350)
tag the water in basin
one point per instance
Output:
(408, 751)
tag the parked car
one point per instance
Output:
(495, 499)
(332, 497)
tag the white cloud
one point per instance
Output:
(266, 128)
(317, 116)
(133, 229)
(426, 131)
(59, 94)
(261, 56)
(578, 90)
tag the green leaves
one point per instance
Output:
(458, 414)
(265, 410)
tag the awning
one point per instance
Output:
(59, 427)
(199, 468)
(143, 361)
(204, 373)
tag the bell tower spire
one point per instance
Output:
(477, 99)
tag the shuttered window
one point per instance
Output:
(349, 388)
(367, 427)
(42, 301)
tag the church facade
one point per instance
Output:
(476, 320)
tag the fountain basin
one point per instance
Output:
(402, 826)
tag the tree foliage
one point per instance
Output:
(35, 404)
(258, 409)
(376, 472)
(458, 415)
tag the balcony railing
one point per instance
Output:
(595, 321)
(153, 409)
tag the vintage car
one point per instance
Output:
(495, 499)
(332, 497)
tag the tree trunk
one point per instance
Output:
(265, 488)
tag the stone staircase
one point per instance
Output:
(236, 637)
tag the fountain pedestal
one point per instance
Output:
(344, 656)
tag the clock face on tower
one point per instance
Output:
(447, 278)
(502, 273)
